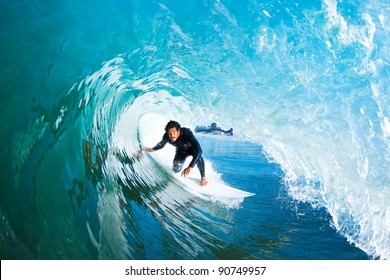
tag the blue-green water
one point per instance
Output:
(304, 84)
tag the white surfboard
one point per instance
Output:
(215, 188)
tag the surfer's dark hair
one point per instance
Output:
(172, 124)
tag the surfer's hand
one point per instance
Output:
(186, 171)
(148, 150)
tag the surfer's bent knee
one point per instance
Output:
(177, 166)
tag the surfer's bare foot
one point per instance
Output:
(203, 181)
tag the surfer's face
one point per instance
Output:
(173, 134)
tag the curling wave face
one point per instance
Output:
(308, 82)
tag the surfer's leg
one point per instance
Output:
(200, 165)
(178, 161)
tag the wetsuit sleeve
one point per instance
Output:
(197, 149)
(161, 144)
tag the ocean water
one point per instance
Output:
(304, 84)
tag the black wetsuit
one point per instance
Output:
(186, 145)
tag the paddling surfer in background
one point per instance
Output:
(186, 145)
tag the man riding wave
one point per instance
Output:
(186, 145)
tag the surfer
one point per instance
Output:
(186, 145)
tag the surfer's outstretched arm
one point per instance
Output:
(158, 146)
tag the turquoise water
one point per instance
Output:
(304, 84)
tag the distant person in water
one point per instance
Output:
(186, 145)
